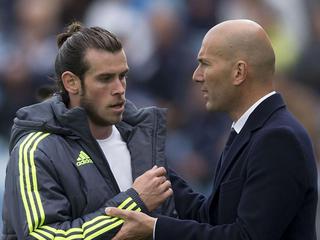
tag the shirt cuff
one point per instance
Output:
(154, 229)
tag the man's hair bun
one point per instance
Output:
(72, 28)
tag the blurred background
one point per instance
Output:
(162, 39)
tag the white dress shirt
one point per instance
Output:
(238, 125)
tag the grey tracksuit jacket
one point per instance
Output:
(58, 181)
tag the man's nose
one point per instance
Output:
(119, 87)
(197, 75)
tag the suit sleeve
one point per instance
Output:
(40, 210)
(278, 177)
(189, 204)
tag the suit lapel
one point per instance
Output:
(239, 143)
(255, 121)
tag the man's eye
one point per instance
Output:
(203, 64)
(106, 79)
(123, 76)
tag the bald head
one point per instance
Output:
(236, 66)
(243, 40)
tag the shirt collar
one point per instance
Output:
(238, 125)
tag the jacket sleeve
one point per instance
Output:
(40, 210)
(280, 173)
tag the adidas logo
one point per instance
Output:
(83, 159)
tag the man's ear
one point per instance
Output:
(240, 72)
(71, 83)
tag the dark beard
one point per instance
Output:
(92, 113)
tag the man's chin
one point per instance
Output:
(209, 107)
(106, 122)
(116, 119)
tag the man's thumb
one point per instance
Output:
(116, 212)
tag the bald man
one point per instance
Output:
(265, 187)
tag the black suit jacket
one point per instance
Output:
(266, 188)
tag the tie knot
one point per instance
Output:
(231, 137)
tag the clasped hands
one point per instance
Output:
(153, 189)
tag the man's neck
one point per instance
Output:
(241, 106)
(100, 132)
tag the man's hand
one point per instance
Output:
(153, 187)
(137, 225)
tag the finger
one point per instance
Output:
(150, 171)
(163, 196)
(165, 186)
(116, 237)
(160, 180)
(160, 171)
(116, 212)
(168, 193)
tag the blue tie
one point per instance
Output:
(226, 149)
(231, 138)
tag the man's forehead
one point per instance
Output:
(204, 48)
(213, 44)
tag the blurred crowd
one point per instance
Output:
(161, 39)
